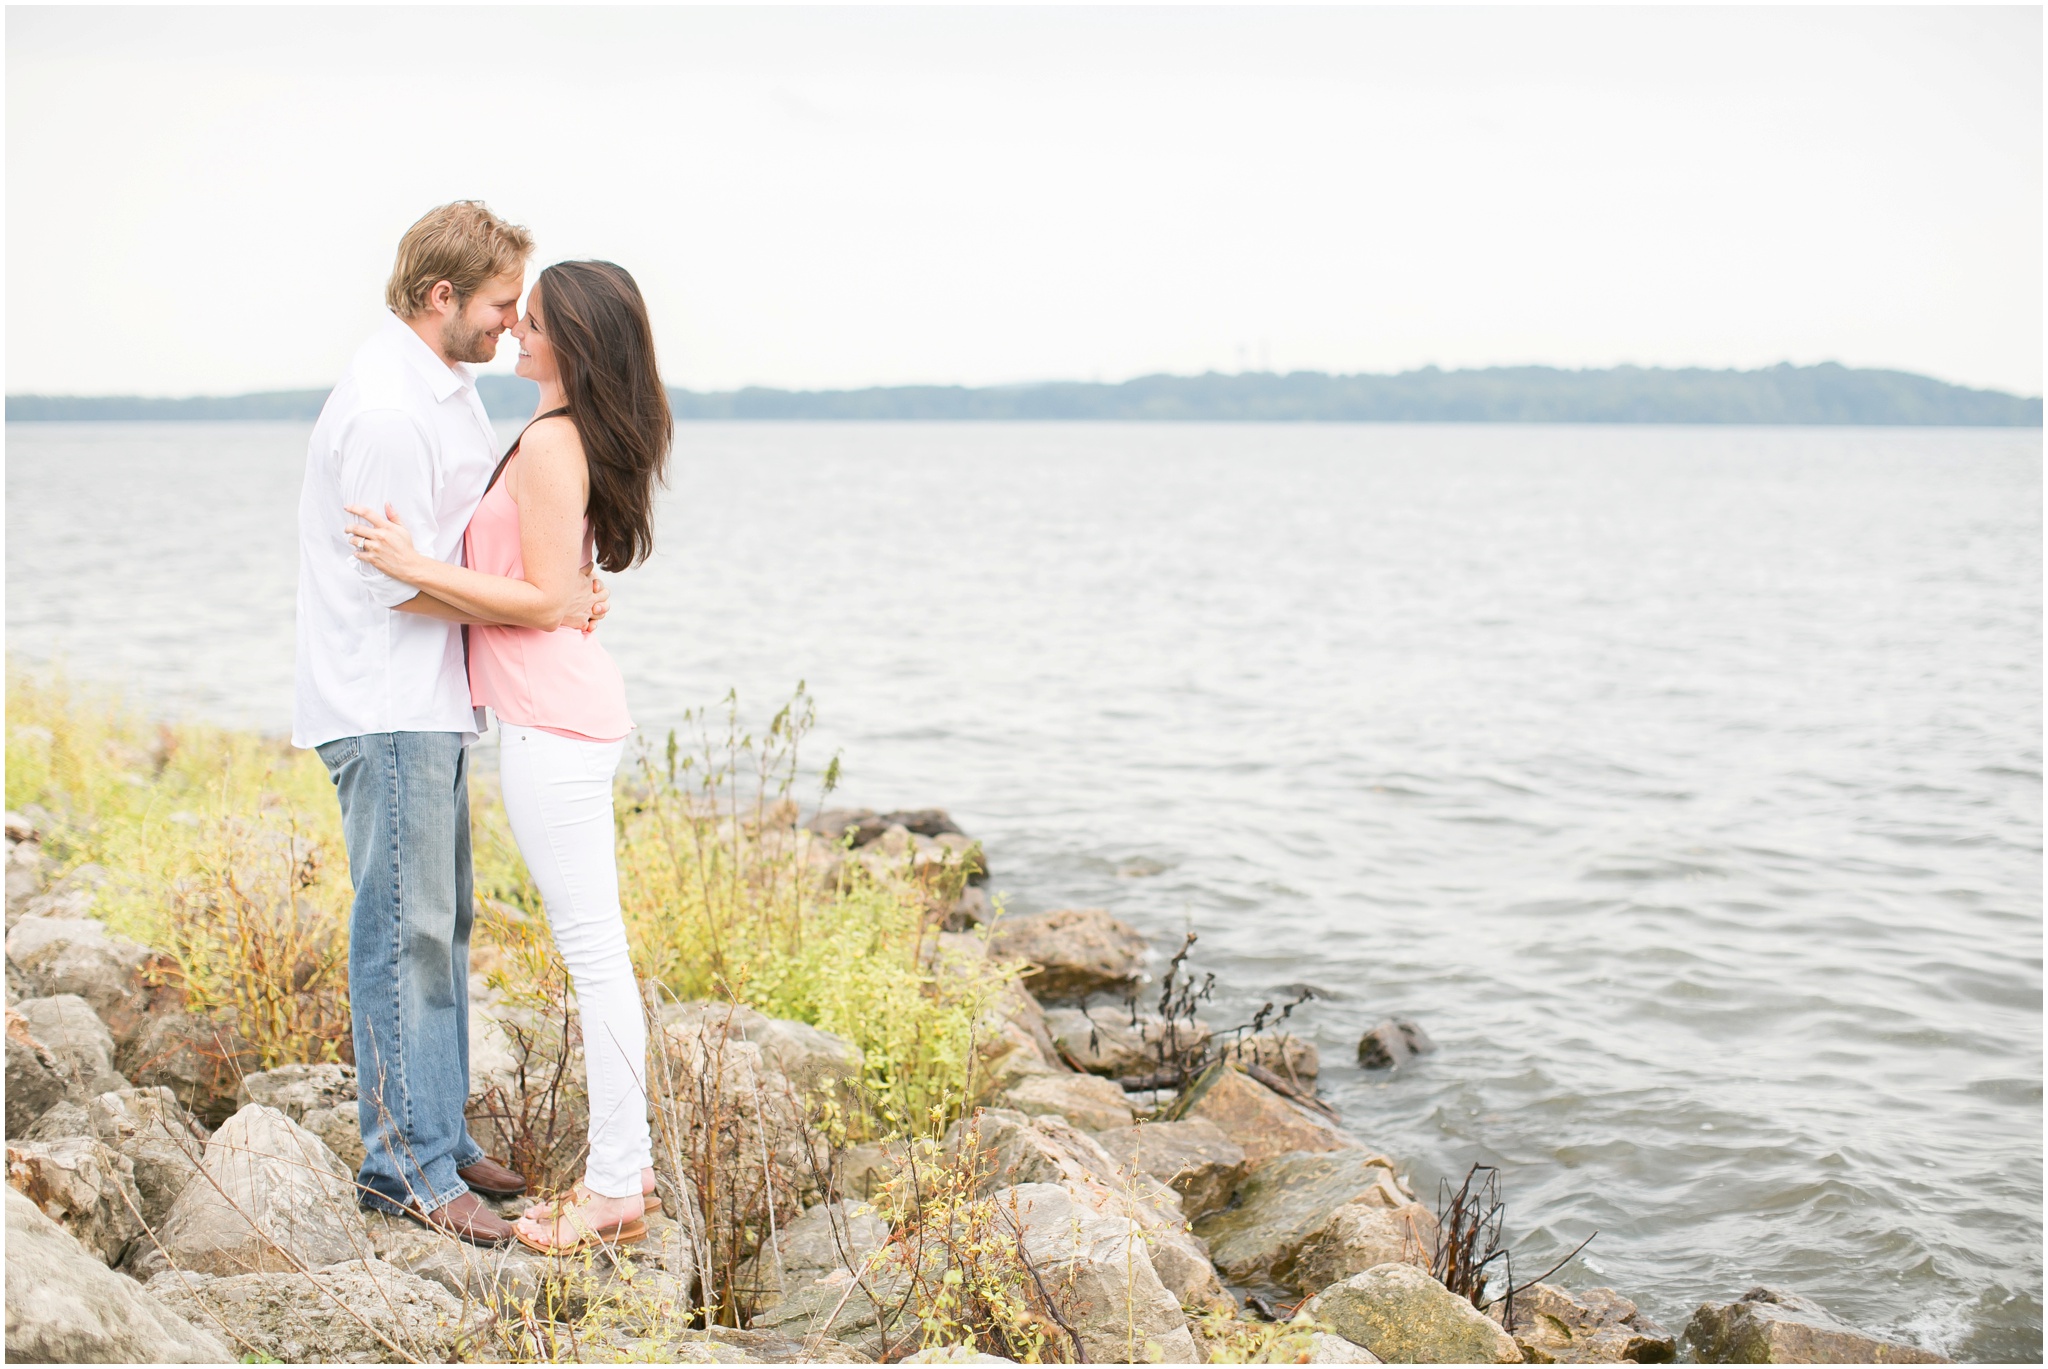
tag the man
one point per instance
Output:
(383, 694)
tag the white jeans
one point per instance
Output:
(558, 795)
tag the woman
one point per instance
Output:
(580, 479)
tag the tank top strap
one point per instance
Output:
(513, 450)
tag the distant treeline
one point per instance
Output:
(1783, 394)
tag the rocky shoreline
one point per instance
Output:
(1155, 1189)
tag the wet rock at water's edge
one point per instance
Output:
(1770, 1326)
(1593, 1326)
(1393, 1042)
(1404, 1316)
(1287, 1201)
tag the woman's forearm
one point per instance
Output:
(490, 598)
(427, 606)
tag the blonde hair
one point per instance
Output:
(463, 243)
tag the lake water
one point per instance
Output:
(1685, 784)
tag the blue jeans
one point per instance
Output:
(405, 815)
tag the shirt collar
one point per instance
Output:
(440, 377)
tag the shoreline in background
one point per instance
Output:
(1825, 395)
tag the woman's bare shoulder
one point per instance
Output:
(553, 446)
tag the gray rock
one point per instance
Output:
(37, 1078)
(65, 1120)
(1596, 1326)
(65, 1307)
(1088, 1101)
(766, 1347)
(70, 897)
(842, 1307)
(272, 1198)
(296, 1090)
(1194, 1158)
(362, 1311)
(504, 1279)
(67, 1024)
(1362, 1236)
(1393, 1042)
(84, 1187)
(829, 1239)
(1404, 1316)
(1078, 951)
(199, 1059)
(1103, 1041)
(321, 1098)
(863, 1169)
(1769, 1326)
(1285, 1202)
(78, 956)
(809, 1058)
(164, 1142)
(1099, 1273)
(953, 1354)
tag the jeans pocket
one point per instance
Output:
(335, 754)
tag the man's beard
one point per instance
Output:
(463, 343)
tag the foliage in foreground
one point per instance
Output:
(224, 849)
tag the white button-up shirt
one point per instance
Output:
(402, 428)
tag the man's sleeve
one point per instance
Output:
(385, 459)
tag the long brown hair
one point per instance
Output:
(596, 321)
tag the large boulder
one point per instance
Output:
(361, 1311)
(1088, 1101)
(1284, 1203)
(1260, 1120)
(1363, 1235)
(38, 1079)
(272, 1198)
(1017, 1150)
(1079, 952)
(321, 1098)
(1770, 1326)
(84, 1187)
(814, 1060)
(1404, 1316)
(1098, 1270)
(159, 1138)
(1194, 1158)
(67, 1024)
(1103, 1040)
(199, 1059)
(1596, 1326)
(60, 955)
(66, 1307)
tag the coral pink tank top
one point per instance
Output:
(560, 681)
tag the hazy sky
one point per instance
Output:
(208, 200)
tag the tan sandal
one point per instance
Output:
(587, 1237)
(650, 1203)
